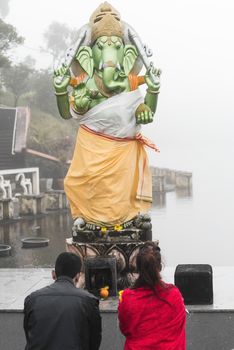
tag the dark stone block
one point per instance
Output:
(195, 283)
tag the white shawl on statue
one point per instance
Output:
(114, 116)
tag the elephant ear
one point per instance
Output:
(85, 58)
(130, 56)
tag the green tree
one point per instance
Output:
(55, 137)
(30, 62)
(16, 80)
(58, 38)
(8, 39)
(43, 92)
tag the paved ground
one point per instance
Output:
(16, 284)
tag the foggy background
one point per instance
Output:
(192, 42)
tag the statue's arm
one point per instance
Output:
(151, 98)
(145, 112)
(63, 105)
(61, 81)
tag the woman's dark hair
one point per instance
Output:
(67, 264)
(148, 263)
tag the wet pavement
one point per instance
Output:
(16, 284)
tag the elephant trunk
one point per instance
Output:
(110, 77)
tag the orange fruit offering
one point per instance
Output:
(104, 292)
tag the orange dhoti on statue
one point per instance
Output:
(109, 180)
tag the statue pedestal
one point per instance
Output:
(124, 253)
(56, 200)
(5, 209)
(31, 204)
(123, 246)
(9, 208)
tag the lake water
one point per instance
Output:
(199, 229)
(55, 226)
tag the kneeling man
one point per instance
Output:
(61, 316)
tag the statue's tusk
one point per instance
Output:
(118, 66)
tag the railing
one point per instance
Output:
(30, 185)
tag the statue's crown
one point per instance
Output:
(105, 21)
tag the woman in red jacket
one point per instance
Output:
(152, 312)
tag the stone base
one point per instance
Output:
(56, 200)
(5, 209)
(124, 252)
(137, 229)
(31, 204)
(112, 236)
(9, 208)
(121, 242)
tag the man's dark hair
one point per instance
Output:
(67, 264)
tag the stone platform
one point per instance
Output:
(209, 327)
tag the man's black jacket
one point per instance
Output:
(62, 317)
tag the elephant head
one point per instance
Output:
(110, 59)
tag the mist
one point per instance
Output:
(192, 42)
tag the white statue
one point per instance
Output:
(25, 183)
(5, 187)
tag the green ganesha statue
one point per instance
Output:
(109, 182)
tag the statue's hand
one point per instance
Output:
(143, 114)
(62, 78)
(83, 97)
(153, 86)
